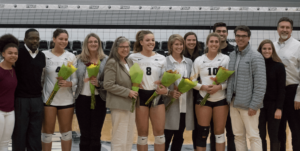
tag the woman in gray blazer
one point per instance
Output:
(117, 82)
(90, 120)
(180, 115)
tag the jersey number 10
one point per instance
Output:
(214, 70)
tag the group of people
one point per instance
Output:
(262, 95)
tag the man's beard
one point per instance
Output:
(283, 36)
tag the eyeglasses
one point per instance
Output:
(241, 36)
(123, 47)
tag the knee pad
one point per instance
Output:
(159, 139)
(66, 136)
(220, 138)
(202, 135)
(46, 138)
(142, 140)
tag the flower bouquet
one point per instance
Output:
(184, 86)
(168, 78)
(93, 70)
(64, 73)
(222, 75)
(136, 75)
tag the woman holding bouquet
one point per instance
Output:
(180, 114)
(8, 83)
(274, 96)
(90, 120)
(206, 67)
(151, 63)
(192, 50)
(118, 84)
(62, 105)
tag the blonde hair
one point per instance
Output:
(172, 40)
(207, 40)
(85, 54)
(139, 37)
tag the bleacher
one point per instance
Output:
(75, 46)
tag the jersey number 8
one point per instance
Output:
(148, 71)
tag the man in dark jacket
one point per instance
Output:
(29, 106)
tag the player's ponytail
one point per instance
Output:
(139, 37)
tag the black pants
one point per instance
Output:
(292, 116)
(229, 135)
(29, 114)
(176, 134)
(196, 95)
(90, 122)
(267, 115)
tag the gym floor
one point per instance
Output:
(106, 137)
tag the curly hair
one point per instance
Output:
(8, 40)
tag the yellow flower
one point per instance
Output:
(73, 68)
(189, 81)
(92, 66)
(70, 65)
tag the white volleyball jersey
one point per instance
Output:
(64, 96)
(206, 68)
(152, 67)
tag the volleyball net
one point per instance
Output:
(111, 21)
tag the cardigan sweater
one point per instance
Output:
(173, 113)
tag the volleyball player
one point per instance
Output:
(226, 48)
(62, 105)
(151, 63)
(206, 67)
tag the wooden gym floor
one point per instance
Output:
(106, 133)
